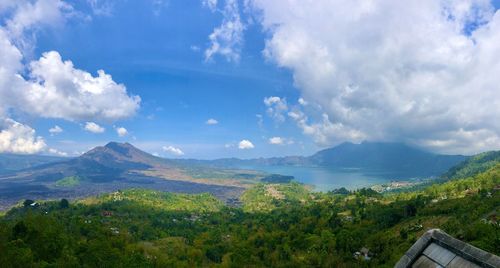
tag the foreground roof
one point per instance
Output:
(437, 249)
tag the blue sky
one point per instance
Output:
(160, 58)
(287, 77)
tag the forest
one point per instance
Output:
(277, 225)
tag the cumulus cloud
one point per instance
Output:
(121, 131)
(78, 94)
(276, 140)
(93, 127)
(245, 144)
(50, 87)
(422, 72)
(173, 150)
(276, 108)
(226, 39)
(212, 121)
(55, 130)
(18, 138)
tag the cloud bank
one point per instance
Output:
(423, 72)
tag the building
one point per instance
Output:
(437, 249)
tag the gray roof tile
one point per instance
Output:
(439, 254)
(437, 249)
(424, 262)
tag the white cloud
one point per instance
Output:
(55, 130)
(28, 15)
(226, 39)
(93, 127)
(416, 71)
(276, 140)
(276, 108)
(50, 87)
(57, 152)
(79, 95)
(280, 141)
(18, 138)
(245, 144)
(212, 121)
(302, 102)
(121, 131)
(173, 150)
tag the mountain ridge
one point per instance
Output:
(385, 156)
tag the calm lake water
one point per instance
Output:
(325, 179)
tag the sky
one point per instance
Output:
(254, 78)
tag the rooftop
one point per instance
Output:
(437, 249)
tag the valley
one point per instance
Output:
(118, 166)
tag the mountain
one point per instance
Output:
(122, 156)
(103, 163)
(474, 165)
(117, 166)
(14, 162)
(393, 157)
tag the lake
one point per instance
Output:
(326, 179)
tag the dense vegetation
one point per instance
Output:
(474, 165)
(279, 225)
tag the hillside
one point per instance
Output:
(281, 225)
(474, 165)
(394, 157)
(16, 162)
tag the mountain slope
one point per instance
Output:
(14, 162)
(474, 165)
(394, 157)
(118, 166)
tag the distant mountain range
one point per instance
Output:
(396, 157)
(368, 156)
(115, 158)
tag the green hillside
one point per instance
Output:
(266, 197)
(158, 200)
(474, 165)
(279, 225)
